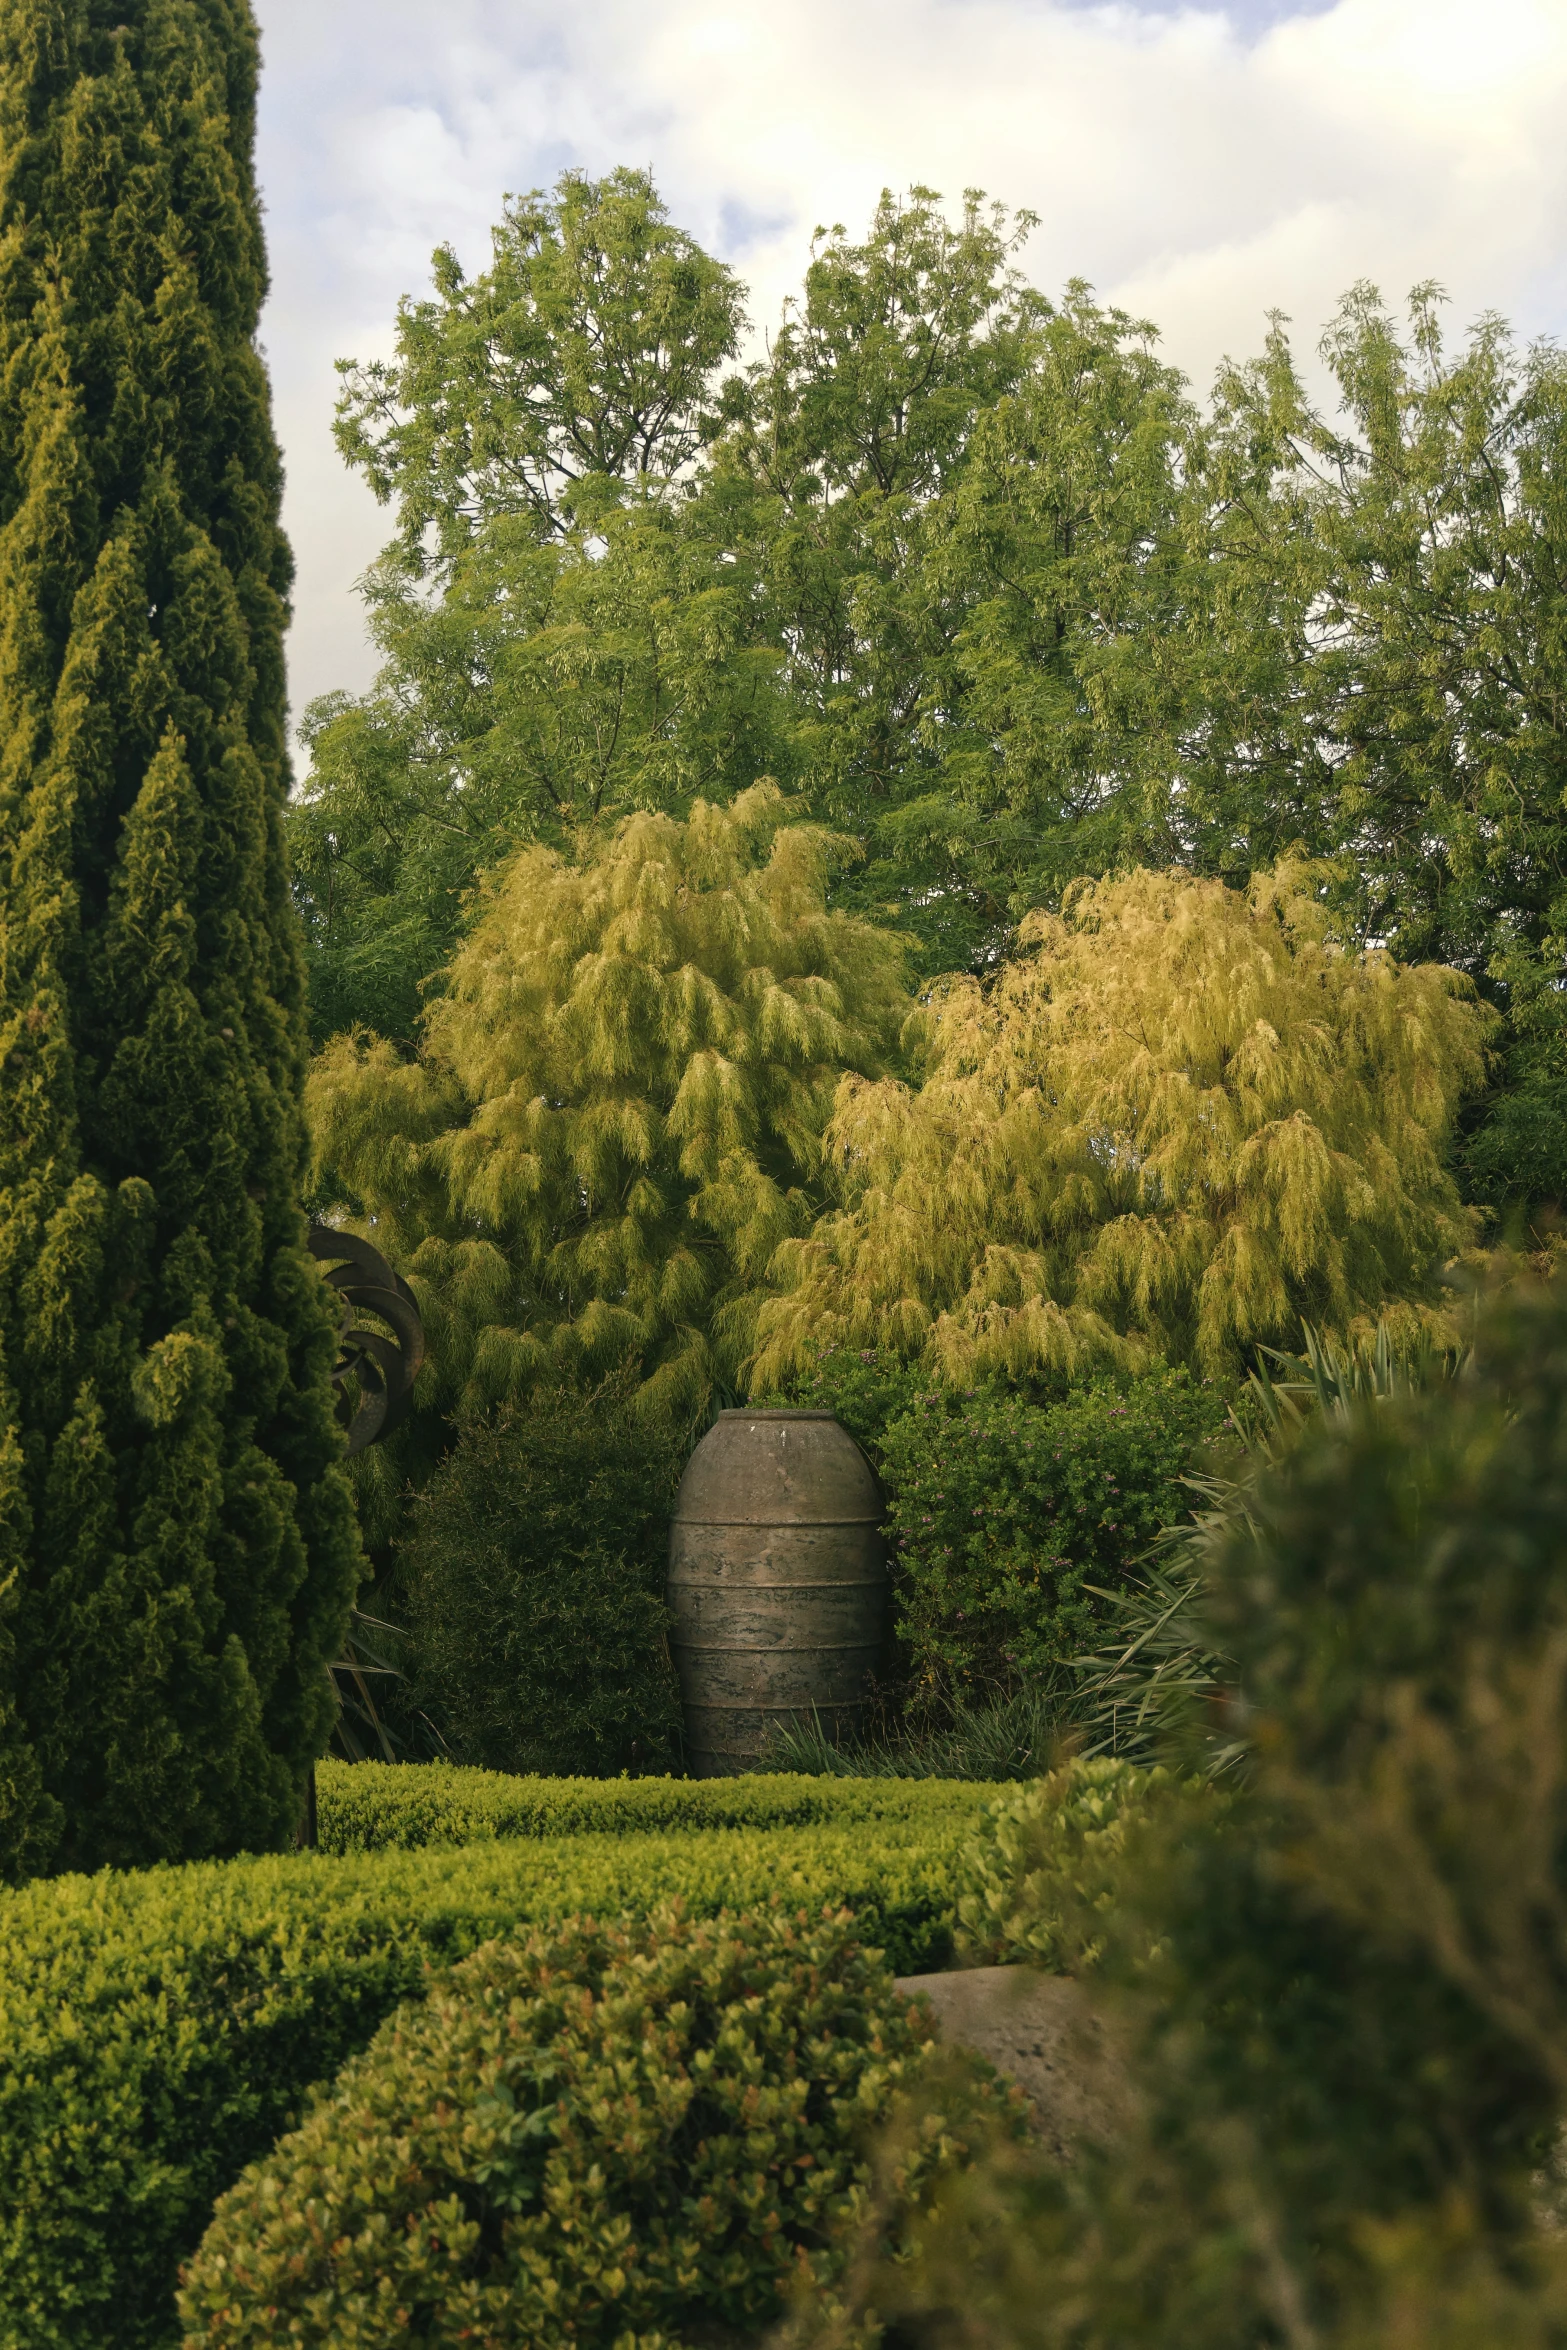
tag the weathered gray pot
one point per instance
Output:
(778, 1584)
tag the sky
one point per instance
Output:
(1201, 165)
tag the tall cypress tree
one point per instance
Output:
(177, 1547)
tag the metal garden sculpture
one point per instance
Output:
(374, 1373)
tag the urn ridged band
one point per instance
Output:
(777, 1584)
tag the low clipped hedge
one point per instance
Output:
(597, 2136)
(376, 1807)
(158, 2030)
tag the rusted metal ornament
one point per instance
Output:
(383, 1368)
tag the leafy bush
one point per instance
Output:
(866, 1387)
(1343, 1981)
(161, 2029)
(534, 1570)
(615, 1113)
(375, 1807)
(601, 2135)
(1005, 1515)
(1177, 1121)
(1044, 1864)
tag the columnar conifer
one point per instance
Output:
(177, 1550)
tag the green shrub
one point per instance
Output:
(533, 1577)
(1343, 1980)
(375, 1807)
(1043, 1867)
(160, 2029)
(597, 2136)
(1004, 1515)
(867, 1387)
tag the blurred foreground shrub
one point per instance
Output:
(533, 1572)
(598, 2136)
(1342, 1981)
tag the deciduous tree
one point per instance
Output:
(615, 1114)
(1181, 1121)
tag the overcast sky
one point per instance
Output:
(1201, 165)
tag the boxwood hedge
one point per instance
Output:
(158, 2030)
(372, 1807)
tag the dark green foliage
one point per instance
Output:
(597, 2135)
(178, 1547)
(1004, 1515)
(378, 1807)
(1010, 1738)
(1150, 1688)
(534, 1571)
(1343, 1977)
(1013, 1526)
(162, 2028)
(866, 1388)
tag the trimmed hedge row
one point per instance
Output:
(159, 2030)
(378, 1807)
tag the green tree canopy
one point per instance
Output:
(1427, 522)
(974, 574)
(615, 1115)
(662, 640)
(177, 1549)
(550, 690)
(580, 361)
(1181, 1121)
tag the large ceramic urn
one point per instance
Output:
(778, 1585)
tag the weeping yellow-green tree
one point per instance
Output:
(615, 1115)
(1183, 1121)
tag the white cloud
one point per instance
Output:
(1200, 165)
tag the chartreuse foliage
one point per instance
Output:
(376, 1807)
(177, 1551)
(616, 1112)
(1183, 1120)
(1045, 1865)
(1341, 1980)
(595, 2136)
(162, 2028)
